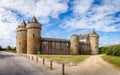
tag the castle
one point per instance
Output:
(29, 40)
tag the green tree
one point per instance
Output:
(8, 47)
(14, 48)
(114, 50)
(103, 49)
(1, 48)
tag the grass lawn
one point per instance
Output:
(115, 60)
(75, 59)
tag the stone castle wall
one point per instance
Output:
(84, 48)
(28, 40)
(55, 46)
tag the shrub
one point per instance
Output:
(113, 50)
(0, 47)
(102, 50)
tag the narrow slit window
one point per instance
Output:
(19, 43)
(33, 35)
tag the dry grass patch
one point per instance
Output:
(74, 59)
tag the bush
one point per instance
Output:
(9, 47)
(102, 50)
(117, 53)
(1, 49)
(114, 50)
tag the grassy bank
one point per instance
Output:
(115, 60)
(75, 59)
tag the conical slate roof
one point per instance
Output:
(34, 19)
(23, 23)
(94, 32)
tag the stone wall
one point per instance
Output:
(33, 38)
(55, 46)
(84, 48)
(94, 44)
(74, 44)
(21, 40)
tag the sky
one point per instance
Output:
(62, 18)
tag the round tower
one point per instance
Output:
(33, 36)
(21, 38)
(74, 44)
(94, 40)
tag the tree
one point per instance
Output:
(14, 48)
(8, 47)
(114, 50)
(103, 49)
(1, 48)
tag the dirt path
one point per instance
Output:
(94, 65)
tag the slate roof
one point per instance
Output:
(34, 19)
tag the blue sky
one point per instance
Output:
(62, 18)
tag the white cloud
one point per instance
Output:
(81, 6)
(85, 15)
(10, 11)
(50, 8)
(8, 24)
(41, 8)
(90, 16)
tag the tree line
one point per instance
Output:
(110, 50)
(8, 48)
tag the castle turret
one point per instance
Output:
(94, 38)
(33, 36)
(74, 44)
(21, 38)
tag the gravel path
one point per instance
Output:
(94, 65)
(13, 64)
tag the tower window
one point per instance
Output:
(33, 35)
(19, 43)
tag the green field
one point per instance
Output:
(75, 59)
(115, 60)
